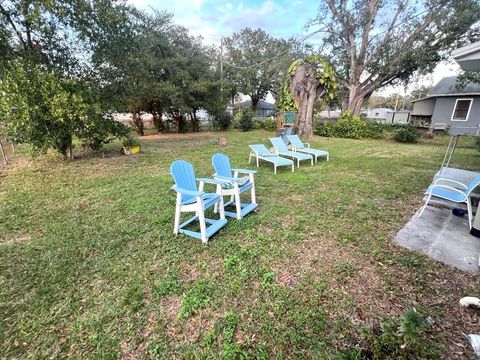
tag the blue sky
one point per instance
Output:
(212, 19)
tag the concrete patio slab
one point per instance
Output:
(443, 237)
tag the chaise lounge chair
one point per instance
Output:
(299, 146)
(453, 194)
(191, 199)
(260, 152)
(283, 150)
(235, 185)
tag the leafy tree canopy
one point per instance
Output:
(256, 62)
(377, 43)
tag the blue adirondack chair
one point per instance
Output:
(453, 194)
(193, 199)
(235, 185)
(283, 150)
(297, 145)
(260, 152)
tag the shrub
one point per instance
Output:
(266, 123)
(246, 120)
(270, 124)
(350, 126)
(222, 120)
(324, 129)
(356, 127)
(104, 131)
(130, 142)
(407, 134)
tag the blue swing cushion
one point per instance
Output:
(241, 181)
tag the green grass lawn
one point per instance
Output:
(90, 268)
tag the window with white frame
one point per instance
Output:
(462, 109)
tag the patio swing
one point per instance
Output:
(457, 177)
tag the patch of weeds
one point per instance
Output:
(231, 350)
(345, 268)
(268, 278)
(234, 263)
(168, 286)
(134, 297)
(292, 236)
(241, 262)
(402, 338)
(410, 261)
(208, 339)
(321, 287)
(198, 297)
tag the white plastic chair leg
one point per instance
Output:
(221, 207)
(238, 206)
(201, 220)
(470, 215)
(252, 191)
(176, 227)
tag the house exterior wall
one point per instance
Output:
(423, 107)
(398, 117)
(443, 111)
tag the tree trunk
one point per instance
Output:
(157, 119)
(307, 93)
(65, 147)
(355, 99)
(255, 100)
(137, 123)
(195, 125)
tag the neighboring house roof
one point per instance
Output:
(447, 87)
(468, 57)
(382, 109)
(262, 105)
(421, 99)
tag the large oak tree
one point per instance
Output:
(374, 43)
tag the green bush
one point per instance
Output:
(130, 142)
(407, 134)
(266, 123)
(324, 129)
(270, 124)
(104, 131)
(350, 126)
(246, 120)
(222, 120)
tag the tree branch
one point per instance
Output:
(5, 13)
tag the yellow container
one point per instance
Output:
(131, 150)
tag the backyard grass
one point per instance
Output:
(90, 268)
